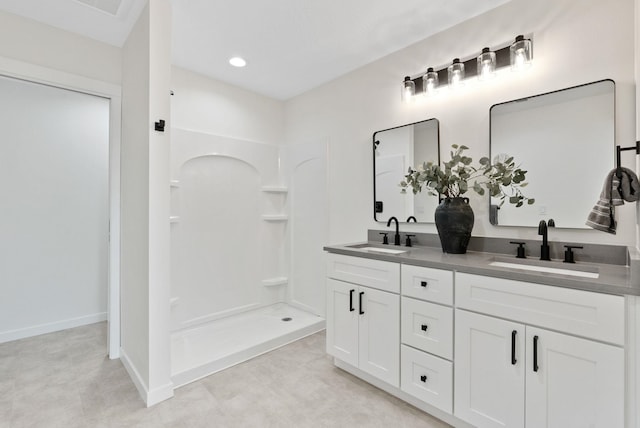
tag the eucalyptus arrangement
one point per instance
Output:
(503, 179)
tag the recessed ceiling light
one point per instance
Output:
(236, 61)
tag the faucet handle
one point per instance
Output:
(408, 241)
(520, 251)
(568, 254)
(385, 240)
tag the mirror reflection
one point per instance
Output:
(394, 151)
(566, 142)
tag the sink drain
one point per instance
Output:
(287, 319)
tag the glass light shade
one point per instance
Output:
(408, 89)
(521, 53)
(430, 81)
(486, 64)
(456, 73)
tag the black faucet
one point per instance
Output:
(543, 230)
(396, 239)
(412, 218)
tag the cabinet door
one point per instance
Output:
(342, 321)
(489, 371)
(379, 337)
(577, 382)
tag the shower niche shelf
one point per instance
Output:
(174, 183)
(274, 189)
(274, 282)
(275, 217)
(174, 219)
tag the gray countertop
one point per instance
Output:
(613, 279)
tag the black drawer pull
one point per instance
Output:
(513, 347)
(423, 378)
(535, 353)
(360, 302)
(424, 327)
(423, 283)
(351, 308)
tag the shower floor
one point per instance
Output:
(200, 351)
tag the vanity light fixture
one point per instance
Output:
(430, 81)
(408, 89)
(455, 72)
(486, 64)
(517, 54)
(520, 53)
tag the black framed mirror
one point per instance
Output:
(394, 151)
(566, 141)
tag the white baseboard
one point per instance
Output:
(160, 394)
(149, 397)
(36, 330)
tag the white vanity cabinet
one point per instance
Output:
(511, 374)
(363, 315)
(480, 351)
(427, 335)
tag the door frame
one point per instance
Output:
(60, 79)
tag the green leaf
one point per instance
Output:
(531, 201)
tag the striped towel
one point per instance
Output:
(615, 192)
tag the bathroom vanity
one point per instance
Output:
(479, 340)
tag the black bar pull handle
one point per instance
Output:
(423, 378)
(351, 308)
(360, 302)
(423, 284)
(424, 327)
(513, 347)
(535, 353)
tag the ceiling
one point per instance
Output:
(290, 46)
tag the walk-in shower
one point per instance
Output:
(235, 291)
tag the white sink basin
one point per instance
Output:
(548, 269)
(382, 250)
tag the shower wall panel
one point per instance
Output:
(222, 248)
(306, 169)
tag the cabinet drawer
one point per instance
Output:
(434, 285)
(583, 313)
(427, 378)
(428, 327)
(371, 273)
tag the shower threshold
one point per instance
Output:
(208, 348)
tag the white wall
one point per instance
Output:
(145, 204)
(35, 43)
(206, 105)
(159, 106)
(574, 43)
(54, 157)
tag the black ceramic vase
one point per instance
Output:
(454, 220)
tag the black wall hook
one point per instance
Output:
(159, 125)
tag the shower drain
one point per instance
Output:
(287, 319)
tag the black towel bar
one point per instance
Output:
(624, 149)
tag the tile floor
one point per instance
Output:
(63, 379)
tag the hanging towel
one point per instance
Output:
(615, 192)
